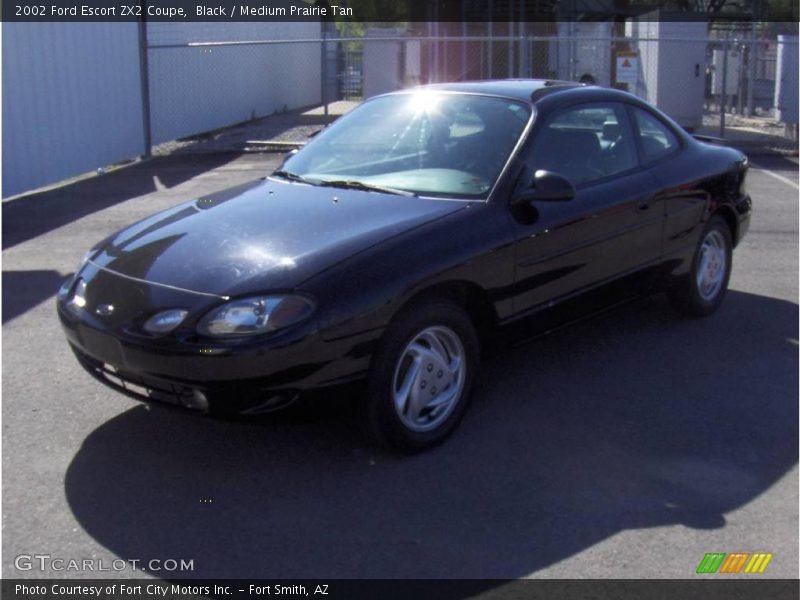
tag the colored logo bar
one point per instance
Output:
(736, 562)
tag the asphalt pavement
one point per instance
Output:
(628, 445)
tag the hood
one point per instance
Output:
(261, 236)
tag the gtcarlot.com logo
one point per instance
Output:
(736, 562)
(46, 562)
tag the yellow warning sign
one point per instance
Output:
(628, 67)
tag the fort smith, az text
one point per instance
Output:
(286, 590)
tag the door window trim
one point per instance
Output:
(627, 120)
(637, 134)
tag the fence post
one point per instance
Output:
(443, 66)
(434, 48)
(751, 71)
(570, 51)
(463, 45)
(510, 35)
(739, 95)
(490, 58)
(723, 97)
(526, 45)
(324, 73)
(429, 47)
(523, 48)
(144, 84)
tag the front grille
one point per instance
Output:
(141, 387)
(232, 398)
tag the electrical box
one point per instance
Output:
(734, 62)
(672, 61)
(786, 68)
(583, 52)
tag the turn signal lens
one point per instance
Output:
(165, 321)
(78, 299)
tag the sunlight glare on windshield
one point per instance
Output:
(423, 101)
(423, 142)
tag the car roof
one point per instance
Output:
(531, 91)
(547, 95)
(526, 90)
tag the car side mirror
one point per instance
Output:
(546, 186)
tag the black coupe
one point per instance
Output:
(389, 246)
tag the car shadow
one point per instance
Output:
(29, 217)
(27, 289)
(633, 420)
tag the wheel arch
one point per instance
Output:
(468, 295)
(729, 215)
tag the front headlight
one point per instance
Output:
(78, 300)
(252, 316)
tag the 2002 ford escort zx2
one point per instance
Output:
(389, 245)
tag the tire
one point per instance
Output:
(421, 377)
(701, 293)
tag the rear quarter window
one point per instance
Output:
(656, 139)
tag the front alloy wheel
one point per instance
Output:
(421, 376)
(429, 378)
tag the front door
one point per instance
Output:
(611, 227)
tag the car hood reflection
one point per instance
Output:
(262, 235)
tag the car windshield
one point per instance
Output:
(425, 143)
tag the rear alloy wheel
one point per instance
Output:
(421, 377)
(702, 292)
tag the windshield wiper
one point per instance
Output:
(354, 184)
(292, 176)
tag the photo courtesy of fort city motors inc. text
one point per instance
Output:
(371, 299)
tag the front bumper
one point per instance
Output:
(218, 379)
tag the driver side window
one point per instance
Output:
(586, 143)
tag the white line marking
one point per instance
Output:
(785, 180)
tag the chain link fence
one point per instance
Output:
(210, 87)
(697, 81)
(705, 83)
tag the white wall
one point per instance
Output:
(583, 50)
(786, 85)
(71, 100)
(72, 94)
(198, 89)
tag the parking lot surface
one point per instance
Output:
(628, 445)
